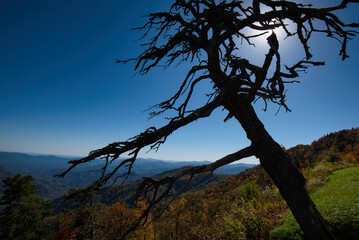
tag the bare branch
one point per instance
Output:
(152, 185)
(150, 136)
(170, 103)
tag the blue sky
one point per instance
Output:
(61, 91)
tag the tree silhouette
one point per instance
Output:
(208, 34)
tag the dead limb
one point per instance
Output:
(153, 185)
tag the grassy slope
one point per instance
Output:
(338, 201)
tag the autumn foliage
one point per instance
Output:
(246, 206)
(113, 221)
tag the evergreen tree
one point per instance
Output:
(24, 212)
(81, 219)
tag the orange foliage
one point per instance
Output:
(114, 220)
(65, 233)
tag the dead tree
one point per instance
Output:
(208, 35)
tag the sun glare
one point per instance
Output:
(260, 37)
(258, 43)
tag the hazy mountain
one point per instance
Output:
(44, 167)
(4, 173)
(127, 191)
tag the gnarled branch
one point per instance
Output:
(134, 145)
(153, 185)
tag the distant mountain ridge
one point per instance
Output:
(127, 191)
(343, 145)
(44, 167)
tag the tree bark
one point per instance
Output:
(275, 161)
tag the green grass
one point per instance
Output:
(338, 202)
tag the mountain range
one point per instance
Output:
(44, 167)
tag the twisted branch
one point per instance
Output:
(153, 185)
(146, 138)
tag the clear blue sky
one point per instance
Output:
(61, 91)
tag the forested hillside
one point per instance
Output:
(334, 147)
(127, 192)
(245, 206)
(248, 205)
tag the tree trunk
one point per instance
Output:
(285, 175)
